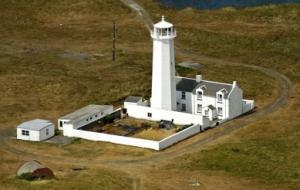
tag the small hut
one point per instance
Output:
(33, 169)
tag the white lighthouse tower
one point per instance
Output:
(163, 66)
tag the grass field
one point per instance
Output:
(268, 36)
(55, 56)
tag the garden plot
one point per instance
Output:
(131, 127)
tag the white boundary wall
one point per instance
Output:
(181, 135)
(179, 118)
(143, 143)
(248, 105)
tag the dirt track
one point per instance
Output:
(229, 127)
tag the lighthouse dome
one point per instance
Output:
(163, 24)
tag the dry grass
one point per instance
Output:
(56, 57)
(154, 134)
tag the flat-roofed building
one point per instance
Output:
(85, 115)
(35, 130)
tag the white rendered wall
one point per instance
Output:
(43, 135)
(235, 106)
(188, 101)
(177, 137)
(180, 118)
(163, 75)
(94, 136)
(36, 135)
(248, 105)
(143, 143)
(63, 122)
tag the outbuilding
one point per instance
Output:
(85, 115)
(35, 130)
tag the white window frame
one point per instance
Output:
(220, 98)
(199, 97)
(220, 111)
(199, 106)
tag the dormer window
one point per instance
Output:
(199, 95)
(220, 98)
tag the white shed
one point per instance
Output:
(85, 115)
(35, 130)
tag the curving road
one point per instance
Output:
(228, 127)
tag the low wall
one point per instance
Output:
(248, 105)
(137, 142)
(179, 136)
(179, 118)
(94, 136)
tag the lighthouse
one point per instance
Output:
(163, 95)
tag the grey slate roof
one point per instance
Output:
(190, 85)
(133, 99)
(35, 125)
(85, 112)
(185, 84)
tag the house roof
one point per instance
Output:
(211, 88)
(185, 84)
(35, 125)
(85, 112)
(133, 99)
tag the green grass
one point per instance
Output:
(273, 160)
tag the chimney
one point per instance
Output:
(198, 78)
(234, 84)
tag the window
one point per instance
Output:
(220, 98)
(96, 115)
(220, 111)
(47, 131)
(60, 123)
(199, 95)
(25, 132)
(149, 114)
(183, 107)
(199, 108)
(183, 95)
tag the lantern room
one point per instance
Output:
(163, 30)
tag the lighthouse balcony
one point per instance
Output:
(163, 34)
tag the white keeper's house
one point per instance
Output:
(184, 100)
